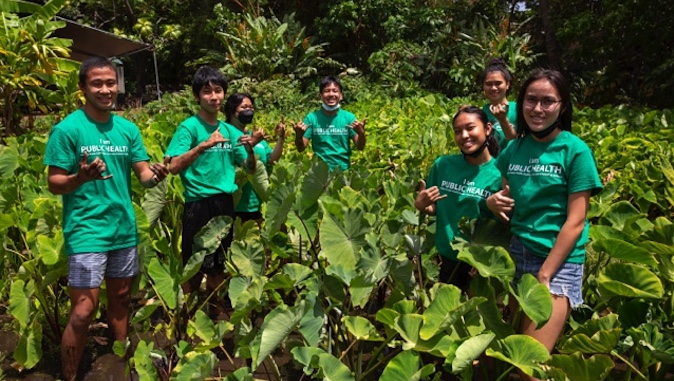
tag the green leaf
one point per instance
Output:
(630, 281)
(408, 326)
(276, 327)
(575, 367)
(297, 272)
(248, 257)
(603, 341)
(194, 366)
(470, 350)
(534, 299)
(405, 367)
(619, 249)
(28, 351)
(9, 161)
(142, 361)
(210, 237)
(166, 283)
(314, 183)
(333, 369)
(154, 201)
(489, 311)
(361, 328)
(50, 248)
(313, 321)
(260, 181)
(489, 261)
(210, 334)
(524, 352)
(20, 301)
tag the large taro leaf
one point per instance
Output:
(489, 261)
(408, 326)
(9, 161)
(575, 367)
(330, 368)
(20, 297)
(470, 350)
(276, 327)
(629, 281)
(485, 231)
(312, 322)
(360, 289)
(50, 248)
(194, 366)
(248, 257)
(315, 182)
(651, 339)
(297, 272)
(445, 309)
(209, 333)
(534, 299)
(622, 250)
(166, 284)
(28, 351)
(154, 202)
(210, 237)
(594, 336)
(260, 181)
(361, 328)
(489, 310)
(405, 367)
(619, 215)
(241, 374)
(279, 205)
(524, 352)
(142, 361)
(341, 243)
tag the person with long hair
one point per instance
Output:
(239, 112)
(548, 177)
(496, 81)
(458, 185)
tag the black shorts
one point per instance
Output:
(460, 270)
(196, 215)
(247, 216)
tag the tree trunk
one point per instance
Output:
(551, 45)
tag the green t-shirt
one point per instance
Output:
(249, 201)
(467, 187)
(498, 130)
(213, 172)
(541, 178)
(330, 136)
(97, 216)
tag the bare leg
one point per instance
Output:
(119, 298)
(549, 333)
(83, 304)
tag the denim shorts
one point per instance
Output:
(567, 281)
(87, 270)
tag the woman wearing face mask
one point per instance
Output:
(548, 177)
(239, 112)
(458, 186)
(331, 128)
(496, 81)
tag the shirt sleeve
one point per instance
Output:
(583, 174)
(60, 151)
(138, 151)
(180, 143)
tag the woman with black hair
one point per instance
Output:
(458, 186)
(496, 81)
(548, 177)
(239, 112)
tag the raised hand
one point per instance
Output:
(92, 171)
(358, 126)
(215, 138)
(427, 197)
(280, 129)
(500, 112)
(300, 128)
(501, 204)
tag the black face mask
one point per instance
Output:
(246, 116)
(542, 134)
(478, 151)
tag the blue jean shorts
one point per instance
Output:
(567, 281)
(87, 270)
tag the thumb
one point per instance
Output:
(422, 185)
(506, 191)
(167, 160)
(85, 156)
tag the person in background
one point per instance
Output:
(331, 128)
(548, 177)
(239, 112)
(204, 151)
(496, 81)
(458, 186)
(90, 156)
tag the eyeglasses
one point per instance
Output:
(546, 103)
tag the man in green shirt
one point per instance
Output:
(90, 155)
(331, 128)
(203, 151)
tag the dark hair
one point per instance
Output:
(497, 64)
(207, 75)
(233, 101)
(492, 144)
(93, 63)
(557, 80)
(328, 80)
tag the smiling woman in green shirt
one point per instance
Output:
(548, 175)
